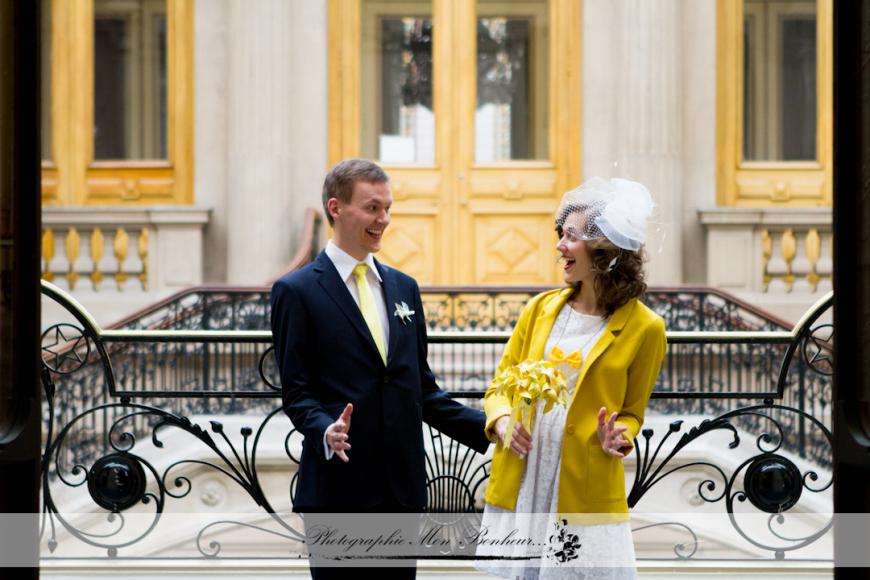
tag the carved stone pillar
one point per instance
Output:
(276, 128)
(259, 135)
(632, 112)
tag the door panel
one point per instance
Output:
(511, 247)
(410, 245)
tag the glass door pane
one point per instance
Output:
(797, 91)
(397, 119)
(779, 80)
(130, 64)
(511, 120)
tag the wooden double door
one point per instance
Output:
(473, 108)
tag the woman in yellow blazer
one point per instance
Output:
(563, 483)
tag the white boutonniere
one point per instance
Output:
(403, 312)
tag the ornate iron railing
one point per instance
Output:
(447, 308)
(110, 392)
(697, 378)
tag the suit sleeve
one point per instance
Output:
(440, 411)
(290, 330)
(642, 375)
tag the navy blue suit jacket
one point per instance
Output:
(327, 358)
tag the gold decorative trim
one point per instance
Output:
(814, 251)
(788, 246)
(72, 245)
(143, 256)
(47, 254)
(97, 243)
(122, 247)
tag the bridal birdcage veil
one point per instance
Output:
(616, 209)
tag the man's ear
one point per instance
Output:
(332, 206)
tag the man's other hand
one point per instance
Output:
(337, 434)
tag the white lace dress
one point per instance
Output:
(605, 551)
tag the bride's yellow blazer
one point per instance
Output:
(619, 374)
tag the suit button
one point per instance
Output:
(386, 380)
(569, 429)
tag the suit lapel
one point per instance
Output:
(391, 297)
(337, 290)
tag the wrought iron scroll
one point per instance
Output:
(769, 480)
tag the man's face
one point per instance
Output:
(360, 224)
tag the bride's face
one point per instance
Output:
(574, 252)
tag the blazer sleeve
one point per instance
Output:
(497, 406)
(642, 374)
(290, 335)
(452, 418)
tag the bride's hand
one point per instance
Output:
(610, 434)
(521, 440)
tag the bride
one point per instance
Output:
(562, 486)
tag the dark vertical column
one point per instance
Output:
(851, 285)
(20, 417)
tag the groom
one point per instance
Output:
(350, 343)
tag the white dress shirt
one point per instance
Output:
(345, 263)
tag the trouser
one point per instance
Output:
(332, 569)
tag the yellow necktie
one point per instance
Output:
(368, 308)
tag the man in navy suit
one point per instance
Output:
(350, 343)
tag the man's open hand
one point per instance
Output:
(337, 434)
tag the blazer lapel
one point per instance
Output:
(337, 290)
(614, 327)
(391, 297)
(544, 324)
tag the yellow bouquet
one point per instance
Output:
(527, 383)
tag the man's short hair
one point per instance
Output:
(344, 175)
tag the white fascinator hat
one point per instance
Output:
(616, 209)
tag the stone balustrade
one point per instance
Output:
(116, 260)
(778, 259)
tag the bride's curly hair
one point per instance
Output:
(614, 286)
(627, 280)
